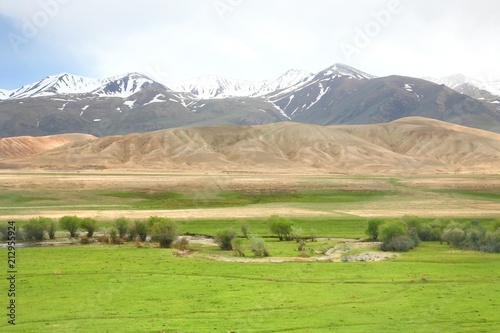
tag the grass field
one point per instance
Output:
(126, 289)
(104, 288)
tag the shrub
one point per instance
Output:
(491, 242)
(164, 231)
(224, 239)
(113, 237)
(297, 234)
(395, 236)
(392, 229)
(281, 226)
(181, 244)
(121, 225)
(258, 247)
(140, 229)
(373, 228)
(51, 228)
(90, 225)
(70, 223)
(34, 230)
(238, 245)
(454, 236)
(399, 243)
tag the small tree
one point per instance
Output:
(281, 226)
(372, 229)
(51, 228)
(34, 230)
(394, 236)
(121, 225)
(164, 230)
(454, 236)
(224, 239)
(70, 223)
(140, 229)
(90, 225)
(238, 246)
(258, 247)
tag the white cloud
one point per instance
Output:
(256, 39)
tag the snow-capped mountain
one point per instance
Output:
(340, 70)
(464, 84)
(291, 78)
(126, 85)
(57, 85)
(4, 94)
(207, 87)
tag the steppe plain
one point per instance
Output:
(142, 288)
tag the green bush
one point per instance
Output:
(281, 226)
(121, 225)
(163, 230)
(258, 247)
(139, 229)
(373, 228)
(391, 229)
(399, 243)
(238, 246)
(90, 225)
(51, 228)
(225, 238)
(70, 223)
(34, 229)
(454, 236)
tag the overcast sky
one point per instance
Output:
(175, 40)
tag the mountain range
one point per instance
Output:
(339, 94)
(408, 145)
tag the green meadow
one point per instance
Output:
(103, 288)
(143, 288)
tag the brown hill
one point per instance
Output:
(405, 146)
(28, 145)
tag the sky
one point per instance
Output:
(176, 40)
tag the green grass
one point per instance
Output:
(127, 289)
(142, 200)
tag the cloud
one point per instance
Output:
(253, 39)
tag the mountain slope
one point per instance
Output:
(57, 85)
(27, 145)
(411, 145)
(4, 94)
(489, 91)
(126, 85)
(207, 87)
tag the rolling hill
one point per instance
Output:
(409, 145)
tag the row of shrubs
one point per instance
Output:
(408, 232)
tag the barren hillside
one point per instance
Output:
(405, 146)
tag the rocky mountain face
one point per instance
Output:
(134, 103)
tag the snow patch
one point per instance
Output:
(130, 104)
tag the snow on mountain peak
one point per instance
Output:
(125, 85)
(4, 94)
(63, 83)
(214, 86)
(456, 80)
(341, 70)
(291, 78)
